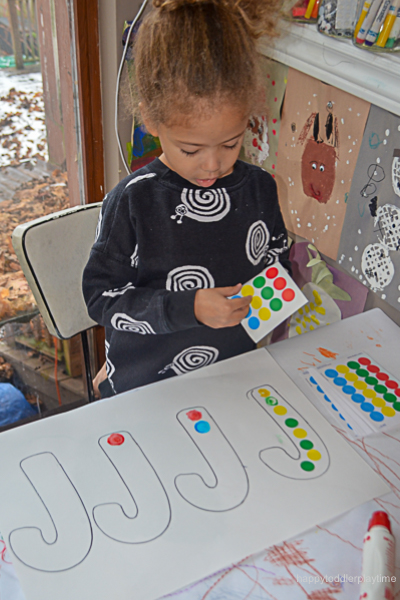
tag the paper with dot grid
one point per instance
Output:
(361, 393)
(275, 298)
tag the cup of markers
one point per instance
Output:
(303, 11)
(378, 26)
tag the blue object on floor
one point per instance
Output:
(13, 405)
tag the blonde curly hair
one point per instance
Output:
(191, 55)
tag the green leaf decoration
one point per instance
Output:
(322, 276)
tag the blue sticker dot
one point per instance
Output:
(342, 417)
(348, 389)
(254, 323)
(235, 297)
(349, 426)
(331, 373)
(334, 407)
(358, 398)
(376, 416)
(202, 427)
(326, 398)
(248, 314)
(340, 381)
(313, 380)
(367, 406)
(319, 389)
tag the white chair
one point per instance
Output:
(53, 252)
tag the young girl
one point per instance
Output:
(177, 238)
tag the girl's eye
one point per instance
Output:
(232, 147)
(189, 153)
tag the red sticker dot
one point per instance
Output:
(275, 99)
(272, 272)
(288, 295)
(274, 131)
(397, 392)
(273, 175)
(115, 439)
(280, 283)
(194, 415)
(255, 143)
(276, 154)
(391, 384)
(373, 369)
(382, 376)
(273, 82)
(364, 361)
(274, 120)
(273, 166)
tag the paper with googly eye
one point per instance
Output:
(275, 298)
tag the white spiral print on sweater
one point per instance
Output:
(203, 205)
(189, 277)
(98, 227)
(257, 242)
(135, 257)
(139, 178)
(110, 369)
(119, 291)
(192, 358)
(123, 322)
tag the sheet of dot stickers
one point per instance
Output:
(153, 489)
(275, 298)
(360, 392)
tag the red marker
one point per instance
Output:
(378, 565)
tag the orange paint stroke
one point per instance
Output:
(327, 353)
(379, 345)
(340, 538)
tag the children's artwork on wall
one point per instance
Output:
(370, 242)
(260, 144)
(321, 133)
(332, 294)
(156, 488)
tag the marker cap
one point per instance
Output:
(381, 518)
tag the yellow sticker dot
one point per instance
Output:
(247, 290)
(378, 402)
(314, 318)
(298, 330)
(311, 327)
(307, 319)
(351, 377)
(317, 297)
(369, 393)
(342, 369)
(264, 392)
(280, 410)
(264, 314)
(256, 302)
(307, 309)
(360, 385)
(300, 433)
(312, 306)
(300, 311)
(388, 411)
(314, 454)
(320, 310)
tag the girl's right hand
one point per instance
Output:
(214, 308)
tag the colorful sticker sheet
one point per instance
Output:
(370, 241)
(320, 136)
(360, 391)
(275, 297)
(260, 144)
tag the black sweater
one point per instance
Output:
(159, 238)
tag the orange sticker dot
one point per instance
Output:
(264, 393)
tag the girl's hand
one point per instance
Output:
(213, 307)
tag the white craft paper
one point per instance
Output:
(86, 518)
(275, 298)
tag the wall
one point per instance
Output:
(112, 14)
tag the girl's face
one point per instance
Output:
(204, 149)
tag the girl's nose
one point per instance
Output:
(211, 164)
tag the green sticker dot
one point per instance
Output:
(389, 397)
(276, 304)
(258, 282)
(396, 406)
(291, 422)
(271, 401)
(306, 444)
(267, 293)
(362, 372)
(381, 389)
(307, 466)
(371, 380)
(352, 364)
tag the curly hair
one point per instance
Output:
(190, 55)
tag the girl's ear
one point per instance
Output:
(152, 129)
